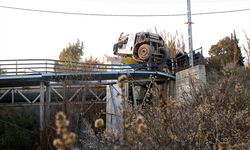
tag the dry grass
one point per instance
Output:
(67, 139)
(215, 117)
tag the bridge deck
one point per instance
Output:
(30, 72)
(34, 80)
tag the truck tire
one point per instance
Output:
(145, 52)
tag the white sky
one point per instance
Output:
(26, 34)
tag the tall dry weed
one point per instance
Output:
(216, 117)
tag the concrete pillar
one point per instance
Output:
(196, 74)
(47, 102)
(114, 109)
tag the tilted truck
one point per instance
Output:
(141, 47)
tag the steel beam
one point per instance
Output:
(6, 92)
(57, 93)
(73, 96)
(23, 96)
(38, 96)
(12, 96)
(22, 104)
(42, 124)
(93, 93)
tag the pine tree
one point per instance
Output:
(238, 58)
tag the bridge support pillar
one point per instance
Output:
(47, 113)
(114, 110)
(42, 123)
(189, 78)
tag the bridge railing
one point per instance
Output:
(182, 59)
(26, 66)
(44, 66)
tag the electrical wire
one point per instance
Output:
(221, 12)
(120, 15)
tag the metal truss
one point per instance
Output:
(55, 93)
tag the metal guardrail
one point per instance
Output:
(45, 66)
(16, 67)
(182, 59)
(31, 72)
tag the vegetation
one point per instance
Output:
(72, 53)
(174, 43)
(214, 116)
(225, 53)
(228, 51)
(247, 50)
(67, 139)
(92, 60)
(176, 49)
(71, 59)
(69, 56)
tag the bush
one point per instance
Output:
(216, 117)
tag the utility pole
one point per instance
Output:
(190, 38)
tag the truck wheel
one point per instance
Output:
(145, 52)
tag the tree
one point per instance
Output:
(72, 53)
(93, 64)
(228, 50)
(238, 58)
(70, 59)
(68, 56)
(92, 60)
(223, 49)
(247, 49)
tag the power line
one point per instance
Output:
(120, 15)
(221, 12)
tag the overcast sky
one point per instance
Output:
(29, 34)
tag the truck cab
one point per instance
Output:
(142, 47)
(125, 45)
